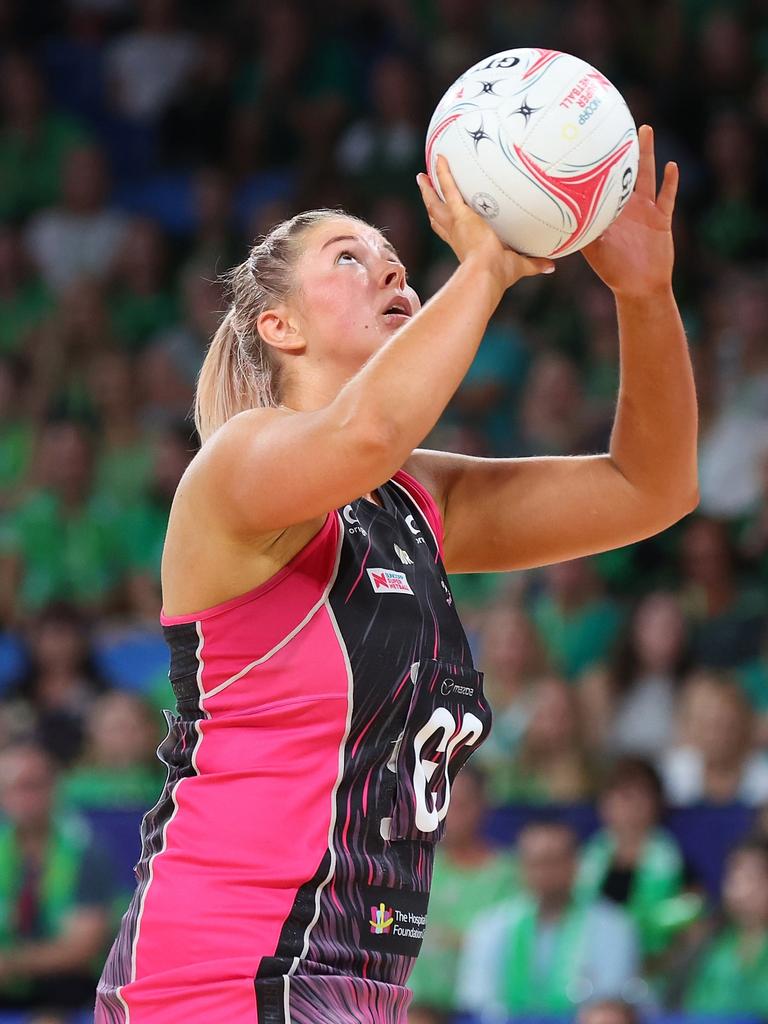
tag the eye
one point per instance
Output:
(344, 253)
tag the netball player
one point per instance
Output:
(325, 689)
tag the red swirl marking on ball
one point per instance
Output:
(436, 133)
(581, 193)
(545, 57)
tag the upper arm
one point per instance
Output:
(268, 469)
(504, 514)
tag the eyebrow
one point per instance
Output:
(356, 238)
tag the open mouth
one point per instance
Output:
(399, 307)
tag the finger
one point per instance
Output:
(436, 208)
(646, 170)
(449, 188)
(668, 191)
(529, 266)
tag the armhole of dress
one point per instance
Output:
(425, 503)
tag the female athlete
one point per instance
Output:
(326, 694)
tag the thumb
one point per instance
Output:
(529, 266)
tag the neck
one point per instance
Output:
(551, 908)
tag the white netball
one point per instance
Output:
(540, 144)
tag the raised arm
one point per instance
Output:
(514, 513)
(272, 468)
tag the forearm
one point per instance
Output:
(405, 387)
(653, 442)
(32, 959)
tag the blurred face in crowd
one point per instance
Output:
(27, 782)
(85, 184)
(11, 258)
(112, 382)
(508, 641)
(607, 1011)
(22, 91)
(65, 459)
(8, 383)
(717, 721)
(467, 809)
(203, 302)
(706, 554)
(553, 725)
(548, 863)
(724, 47)
(630, 807)
(344, 289)
(143, 257)
(120, 732)
(658, 632)
(395, 94)
(553, 389)
(172, 455)
(745, 888)
(58, 644)
(570, 581)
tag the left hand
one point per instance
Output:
(635, 255)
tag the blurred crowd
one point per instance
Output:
(143, 147)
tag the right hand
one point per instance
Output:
(469, 235)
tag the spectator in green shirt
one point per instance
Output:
(24, 300)
(119, 767)
(143, 302)
(552, 764)
(513, 661)
(56, 889)
(123, 466)
(577, 622)
(730, 973)
(61, 541)
(469, 876)
(634, 862)
(17, 431)
(144, 525)
(34, 142)
(726, 612)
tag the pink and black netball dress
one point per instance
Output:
(285, 870)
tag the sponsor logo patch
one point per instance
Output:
(389, 581)
(404, 557)
(381, 920)
(448, 686)
(396, 920)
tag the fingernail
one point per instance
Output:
(549, 270)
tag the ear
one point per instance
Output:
(279, 327)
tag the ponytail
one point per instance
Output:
(240, 370)
(230, 380)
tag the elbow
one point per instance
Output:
(375, 442)
(680, 505)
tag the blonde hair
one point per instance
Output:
(240, 371)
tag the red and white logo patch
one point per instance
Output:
(389, 581)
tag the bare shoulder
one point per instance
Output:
(222, 453)
(206, 561)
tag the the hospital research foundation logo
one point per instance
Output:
(381, 920)
(394, 919)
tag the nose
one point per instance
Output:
(392, 276)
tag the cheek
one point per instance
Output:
(336, 297)
(338, 313)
